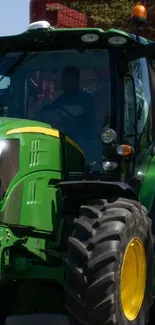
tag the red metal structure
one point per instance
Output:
(63, 14)
(58, 13)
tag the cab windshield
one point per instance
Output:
(69, 90)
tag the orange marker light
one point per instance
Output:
(125, 150)
(139, 13)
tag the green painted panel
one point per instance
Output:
(147, 190)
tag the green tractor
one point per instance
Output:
(77, 174)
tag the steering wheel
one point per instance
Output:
(64, 114)
(59, 118)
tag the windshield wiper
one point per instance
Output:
(18, 63)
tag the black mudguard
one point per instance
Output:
(97, 189)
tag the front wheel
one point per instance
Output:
(110, 262)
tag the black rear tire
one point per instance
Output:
(101, 236)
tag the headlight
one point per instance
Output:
(3, 146)
(117, 40)
(108, 135)
(89, 38)
(109, 165)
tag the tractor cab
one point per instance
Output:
(63, 80)
(83, 82)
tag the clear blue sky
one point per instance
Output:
(14, 16)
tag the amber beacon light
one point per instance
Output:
(139, 13)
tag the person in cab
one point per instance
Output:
(74, 106)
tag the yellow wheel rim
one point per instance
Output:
(133, 278)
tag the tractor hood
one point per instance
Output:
(11, 126)
(33, 158)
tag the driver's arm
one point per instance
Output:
(43, 115)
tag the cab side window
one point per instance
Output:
(139, 70)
